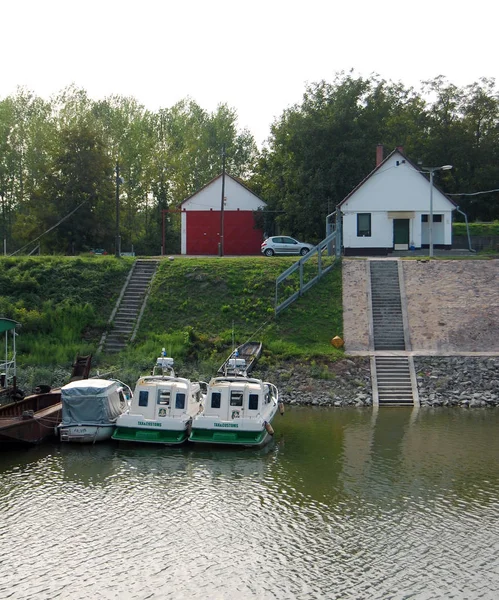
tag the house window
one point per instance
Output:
(436, 218)
(364, 225)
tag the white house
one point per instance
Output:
(390, 210)
(205, 226)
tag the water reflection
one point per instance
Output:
(397, 503)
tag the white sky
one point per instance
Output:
(256, 56)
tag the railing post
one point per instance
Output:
(338, 233)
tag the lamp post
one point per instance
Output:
(222, 206)
(117, 244)
(432, 170)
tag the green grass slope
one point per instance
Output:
(198, 309)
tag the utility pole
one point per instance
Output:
(117, 244)
(221, 243)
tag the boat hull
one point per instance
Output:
(230, 437)
(32, 420)
(86, 434)
(167, 431)
(169, 437)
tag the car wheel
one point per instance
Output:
(304, 251)
(269, 252)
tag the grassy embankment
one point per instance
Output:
(197, 309)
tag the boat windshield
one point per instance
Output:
(180, 400)
(253, 402)
(164, 397)
(236, 398)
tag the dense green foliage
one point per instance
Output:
(63, 304)
(324, 147)
(63, 162)
(484, 229)
(197, 310)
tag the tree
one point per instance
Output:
(80, 187)
(320, 150)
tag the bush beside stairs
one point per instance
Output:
(126, 315)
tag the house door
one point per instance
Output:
(401, 234)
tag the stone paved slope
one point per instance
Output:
(355, 305)
(452, 305)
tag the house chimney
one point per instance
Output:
(400, 149)
(379, 154)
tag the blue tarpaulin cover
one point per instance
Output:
(91, 401)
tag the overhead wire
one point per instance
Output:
(49, 230)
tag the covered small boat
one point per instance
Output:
(162, 407)
(238, 410)
(242, 360)
(90, 408)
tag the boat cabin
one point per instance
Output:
(234, 397)
(165, 397)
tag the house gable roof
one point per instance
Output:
(235, 179)
(380, 167)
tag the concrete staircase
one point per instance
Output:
(125, 318)
(393, 381)
(388, 324)
(394, 378)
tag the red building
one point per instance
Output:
(202, 219)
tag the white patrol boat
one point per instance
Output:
(238, 410)
(90, 408)
(162, 407)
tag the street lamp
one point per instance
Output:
(117, 243)
(432, 170)
(222, 206)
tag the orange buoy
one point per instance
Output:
(337, 341)
(281, 408)
(269, 428)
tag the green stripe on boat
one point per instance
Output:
(227, 437)
(151, 436)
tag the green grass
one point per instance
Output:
(63, 304)
(198, 308)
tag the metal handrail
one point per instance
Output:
(327, 244)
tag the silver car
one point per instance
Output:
(282, 244)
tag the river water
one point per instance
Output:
(343, 504)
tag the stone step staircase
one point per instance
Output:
(394, 378)
(388, 324)
(394, 382)
(125, 318)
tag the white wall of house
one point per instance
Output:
(396, 191)
(237, 197)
